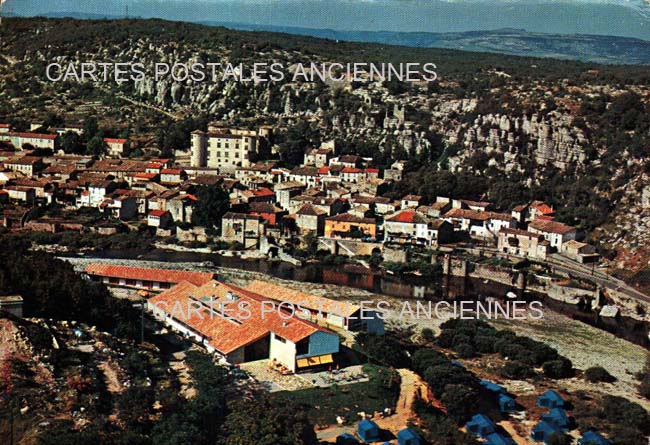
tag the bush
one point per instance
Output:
(382, 349)
(558, 369)
(438, 377)
(428, 335)
(517, 370)
(644, 387)
(465, 351)
(461, 402)
(425, 358)
(597, 374)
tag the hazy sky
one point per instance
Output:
(615, 17)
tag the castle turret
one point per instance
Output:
(199, 148)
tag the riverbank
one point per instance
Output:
(583, 344)
(354, 283)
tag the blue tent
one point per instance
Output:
(543, 431)
(507, 403)
(558, 417)
(498, 439)
(408, 437)
(493, 387)
(346, 439)
(550, 399)
(368, 431)
(593, 438)
(481, 425)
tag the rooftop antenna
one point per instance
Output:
(127, 11)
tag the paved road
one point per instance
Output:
(566, 265)
(604, 280)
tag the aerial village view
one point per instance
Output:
(342, 236)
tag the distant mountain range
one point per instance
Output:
(582, 47)
(518, 42)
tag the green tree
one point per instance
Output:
(383, 349)
(558, 369)
(213, 203)
(71, 142)
(598, 374)
(461, 401)
(90, 128)
(96, 147)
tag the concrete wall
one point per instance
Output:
(284, 352)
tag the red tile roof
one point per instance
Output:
(405, 217)
(308, 301)
(550, 226)
(31, 135)
(142, 175)
(157, 213)
(263, 192)
(351, 170)
(171, 171)
(114, 141)
(310, 210)
(138, 273)
(543, 208)
(232, 328)
(477, 215)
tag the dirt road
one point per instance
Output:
(411, 386)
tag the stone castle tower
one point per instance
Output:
(199, 149)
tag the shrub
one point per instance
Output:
(425, 358)
(558, 369)
(517, 370)
(465, 350)
(428, 335)
(597, 374)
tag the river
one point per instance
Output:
(407, 286)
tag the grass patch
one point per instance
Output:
(324, 404)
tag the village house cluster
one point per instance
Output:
(340, 197)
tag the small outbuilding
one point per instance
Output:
(408, 437)
(480, 425)
(593, 438)
(550, 399)
(558, 417)
(493, 387)
(368, 431)
(543, 431)
(506, 403)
